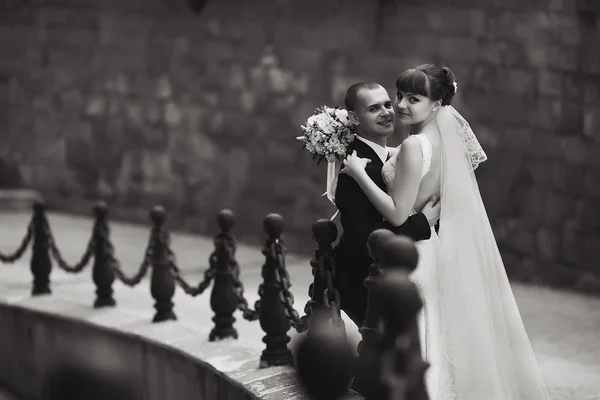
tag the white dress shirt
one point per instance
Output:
(380, 150)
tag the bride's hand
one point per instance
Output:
(354, 165)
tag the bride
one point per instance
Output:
(471, 330)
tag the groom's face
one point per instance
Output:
(374, 112)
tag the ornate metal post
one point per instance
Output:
(41, 264)
(367, 380)
(324, 233)
(272, 317)
(102, 271)
(162, 284)
(402, 368)
(399, 303)
(223, 298)
(324, 361)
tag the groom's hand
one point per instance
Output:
(432, 210)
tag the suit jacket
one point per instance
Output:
(359, 218)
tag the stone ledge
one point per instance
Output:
(166, 360)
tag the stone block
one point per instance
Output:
(572, 236)
(478, 23)
(571, 121)
(590, 216)
(163, 88)
(531, 204)
(572, 86)
(464, 49)
(519, 139)
(218, 50)
(546, 143)
(302, 59)
(560, 5)
(547, 114)
(589, 252)
(96, 106)
(573, 176)
(237, 76)
(538, 170)
(320, 38)
(565, 28)
(591, 122)
(593, 155)
(548, 241)
(574, 150)
(173, 114)
(523, 240)
(550, 83)
(518, 80)
(558, 208)
(502, 24)
(448, 20)
(564, 58)
(529, 271)
(591, 89)
(590, 63)
(510, 110)
(592, 182)
(538, 57)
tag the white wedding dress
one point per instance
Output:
(424, 276)
(470, 327)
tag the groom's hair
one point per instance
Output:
(351, 98)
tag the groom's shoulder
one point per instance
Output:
(357, 145)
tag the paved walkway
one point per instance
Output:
(564, 328)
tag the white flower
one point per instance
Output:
(455, 86)
(342, 115)
(327, 133)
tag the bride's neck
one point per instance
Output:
(418, 127)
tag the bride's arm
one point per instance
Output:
(396, 208)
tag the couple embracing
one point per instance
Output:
(471, 330)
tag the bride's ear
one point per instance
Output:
(353, 118)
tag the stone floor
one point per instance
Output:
(564, 328)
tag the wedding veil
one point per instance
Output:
(481, 330)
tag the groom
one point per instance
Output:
(370, 110)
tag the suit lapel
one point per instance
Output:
(363, 150)
(373, 168)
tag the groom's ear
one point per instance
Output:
(353, 118)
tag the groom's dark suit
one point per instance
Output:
(359, 218)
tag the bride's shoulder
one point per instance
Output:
(410, 143)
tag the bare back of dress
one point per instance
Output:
(388, 171)
(426, 280)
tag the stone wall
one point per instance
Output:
(144, 102)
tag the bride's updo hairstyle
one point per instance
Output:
(429, 80)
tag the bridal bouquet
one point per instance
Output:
(327, 134)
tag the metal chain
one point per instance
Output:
(116, 265)
(286, 296)
(209, 275)
(85, 258)
(234, 268)
(331, 296)
(11, 258)
(248, 313)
